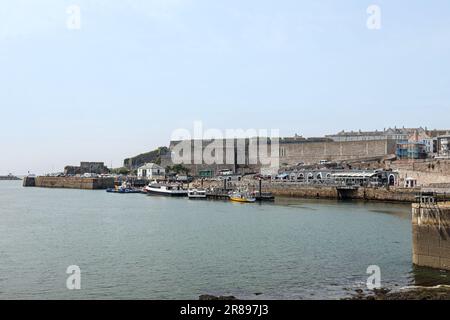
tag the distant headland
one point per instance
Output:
(9, 177)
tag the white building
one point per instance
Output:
(151, 171)
(443, 146)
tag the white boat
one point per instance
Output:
(196, 193)
(172, 190)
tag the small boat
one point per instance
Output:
(242, 197)
(119, 190)
(124, 188)
(172, 190)
(194, 193)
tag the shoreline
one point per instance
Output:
(278, 189)
(439, 292)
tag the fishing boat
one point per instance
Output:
(172, 190)
(194, 194)
(241, 197)
(124, 188)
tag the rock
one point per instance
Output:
(423, 293)
(381, 291)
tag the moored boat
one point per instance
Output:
(124, 188)
(242, 197)
(194, 193)
(172, 190)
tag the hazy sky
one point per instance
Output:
(137, 70)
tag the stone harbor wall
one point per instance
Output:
(431, 235)
(70, 182)
(308, 191)
(298, 190)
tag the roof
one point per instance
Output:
(151, 166)
(354, 174)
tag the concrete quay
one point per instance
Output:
(316, 191)
(69, 182)
(335, 192)
(431, 235)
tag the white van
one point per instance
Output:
(225, 172)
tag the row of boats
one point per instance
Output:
(176, 190)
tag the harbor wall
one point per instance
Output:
(313, 152)
(29, 182)
(299, 190)
(426, 172)
(331, 192)
(70, 182)
(431, 235)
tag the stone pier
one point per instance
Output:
(69, 182)
(431, 235)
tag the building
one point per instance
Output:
(313, 151)
(206, 158)
(421, 136)
(86, 167)
(291, 151)
(411, 150)
(400, 135)
(443, 147)
(151, 171)
(373, 178)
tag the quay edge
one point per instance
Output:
(69, 182)
(396, 194)
(431, 235)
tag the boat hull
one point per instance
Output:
(242, 200)
(197, 197)
(128, 191)
(164, 193)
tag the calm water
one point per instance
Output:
(141, 247)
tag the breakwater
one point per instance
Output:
(69, 182)
(431, 235)
(9, 178)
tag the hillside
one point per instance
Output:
(139, 160)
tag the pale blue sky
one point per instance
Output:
(137, 70)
